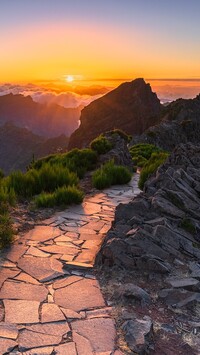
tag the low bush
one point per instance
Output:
(6, 229)
(110, 174)
(142, 151)
(101, 145)
(62, 196)
(122, 134)
(151, 166)
(47, 178)
(76, 160)
(7, 195)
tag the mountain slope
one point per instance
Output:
(48, 120)
(132, 107)
(18, 145)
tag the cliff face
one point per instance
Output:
(180, 123)
(48, 120)
(132, 107)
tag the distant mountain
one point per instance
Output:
(18, 145)
(132, 107)
(48, 120)
(179, 123)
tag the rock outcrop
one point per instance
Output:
(180, 123)
(119, 152)
(132, 107)
(162, 223)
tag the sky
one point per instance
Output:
(98, 39)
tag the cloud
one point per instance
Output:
(67, 99)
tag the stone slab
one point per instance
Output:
(66, 282)
(66, 349)
(9, 331)
(99, 331)
(54, 328)
(40, 351)
(17, 311)
(15, 252)
(43, 269)
(26, 278)
(60, 249)
(82, 344)
(69, 313)
(22, 291)
(31, 339)
(6, 345)
(42, 233)
(51, 313)
(37, 252)
(81, 295)
(7, 274)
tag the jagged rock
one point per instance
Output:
(179, 123)
(179, 297)
(139, 335)
(119, 152)
(132, 107)
(163, 222)
(135, 293)
(190, 284)
(150, 263)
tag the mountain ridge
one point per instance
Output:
(48, 120)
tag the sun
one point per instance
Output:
(69, 78)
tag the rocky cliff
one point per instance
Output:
(180, 123)
(151, 257)
(162, 223)
(48, 120)
(132, 107)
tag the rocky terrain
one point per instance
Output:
(48, 120)
(132, 107)
(19, 145)
(150, 260)
(180, 123)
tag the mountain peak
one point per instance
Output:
(132, 106)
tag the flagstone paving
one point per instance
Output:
(50, 300)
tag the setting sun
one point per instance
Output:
(69, 78)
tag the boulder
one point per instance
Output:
(139, 335)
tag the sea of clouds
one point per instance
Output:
(67, 99)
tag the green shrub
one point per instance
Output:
(101, 145)
(139, 161)
(76, 160)
(6, 230)
(110, 174)
(7, 196)
(47, 178)
(151, 166)
(45, 200)
(62, 196)
(122, 134)
(143, 150)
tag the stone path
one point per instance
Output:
(51, 302)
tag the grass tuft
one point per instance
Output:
(110, 174)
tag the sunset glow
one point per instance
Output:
(107, 39)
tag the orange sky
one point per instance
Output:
(104, 41)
